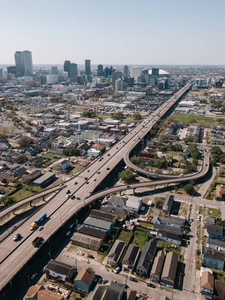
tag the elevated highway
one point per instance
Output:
(60, 209)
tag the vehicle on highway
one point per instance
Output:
(17, 237)
(61, 184)
(98, 172)
(40, 219)
(108, 154)
(72, 197)
(40, 228)
(108, 168)
(75, 182)
(68, 233)
(72, 225)
(88, 170)
(151, 285)
(181, 175)
(94, 179)
(68, 191)
(33, 276)
(87, 182)
(37, 241)
(133, 279)
(117, 270)
(85, 178)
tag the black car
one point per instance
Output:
(151, 285)
(108, 168)
(68, 191)
(133, 279)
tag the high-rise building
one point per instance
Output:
(135, 72)
(155, 71)
(88, 67)
(1, 73)
(67, 67)
(115, 76)
(73, 71)
(125, 71)
(100, 70)
(55, 70)
(118, 85)
(28, 64)
(11, 70)
(19, 64)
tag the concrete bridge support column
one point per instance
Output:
(134, 190)
(30, 203)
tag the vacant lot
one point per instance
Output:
(186, 118)
(140, 238)
(125, 236)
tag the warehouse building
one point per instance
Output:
(86, 241)
(100, 224)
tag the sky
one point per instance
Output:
(140, 32)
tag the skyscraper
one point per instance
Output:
(100, 70)
(28, 64)
(55, 70)
(135, 72)
(125, 71)
(88, 67)
(73, 71)
(19, 64)
(67, 67)
(118, 85)
(115, 76)
(1, 73)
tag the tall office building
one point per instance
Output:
(118, 85)
(155, 71)
(67, 67)
(1, 73)
(73, 71)
(100, 70)
(19, 64)
(55, 70)
(115, 76)
(125, 71)
(135, 72)
(28, 64)
(24, 64)
(88, 67)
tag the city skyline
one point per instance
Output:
(116, 33)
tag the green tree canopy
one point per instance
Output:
(137, 116)
(127, 175)
(71, 151)
(25, 141)
(189, 189)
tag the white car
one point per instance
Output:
(80, 252)
(68, 233)
(33, 276)
(40, 228)
(117, 270)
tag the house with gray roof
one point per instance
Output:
(97, 223)
(168, 202)
(171, 221)
(147, 257)
(157, 266)
(131, 257)
(169, 237)
(102, 215)
(115, 291)
(169, 270)
(115, 253)
(212, 258)
(132, 203)
(215, 232)
(92, 231)
(216, 244)
(119, 212)
(167, 228)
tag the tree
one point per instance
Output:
(137, 116)
(187, 140)
(216, 150)
(88, 114)
(189, 189)
(7, 200)
(25, 141)
(127, 175)
(71, 151)
(118, 116)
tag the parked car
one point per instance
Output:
(133, 279)
(33, 276)
(90, 256)
(151, 285)
(117, 270)
(68, 233)
(80, 252)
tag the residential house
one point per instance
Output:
(92, 231)
(132, 203)
(32, 151)
(156, 271)
(212, 258)
(98, 214)
(115, 253)
(63, 165)
(97, 223)
(219, 290)
(131, 294)
(86, 241)
(209, 220)
(169, 237)
(5, 145)
(84, 280)
(216, 244)
(169, 270)
(119, 212)
(18, 171)
(38, 292)
(215, 232)
(168, 204)
(59, 271)
(115, 291)
(33, 175)
(220, 192)
(35, 162)
(207, 284)
(147, 257)
(171, 221)
(168, 228)
(131, 257)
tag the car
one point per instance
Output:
(90, 256)
(17, 237)
(61, 184)
(88, 170)
(117, 270)
(40, 228)
(197, 212)
(108, 168)
(72, 197)
(151, 285)
(68, 191)
(75, 182)
(72, 225)
(85, 178)
(87, 182)
(116, 147)
(105, 281)
(94, 179)
(68, 195)
(108, 154)
(80, 252)
(98, 172)
(133, 279)
(199, 218)
(33, 276)
(68, 233)
(181, 175)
